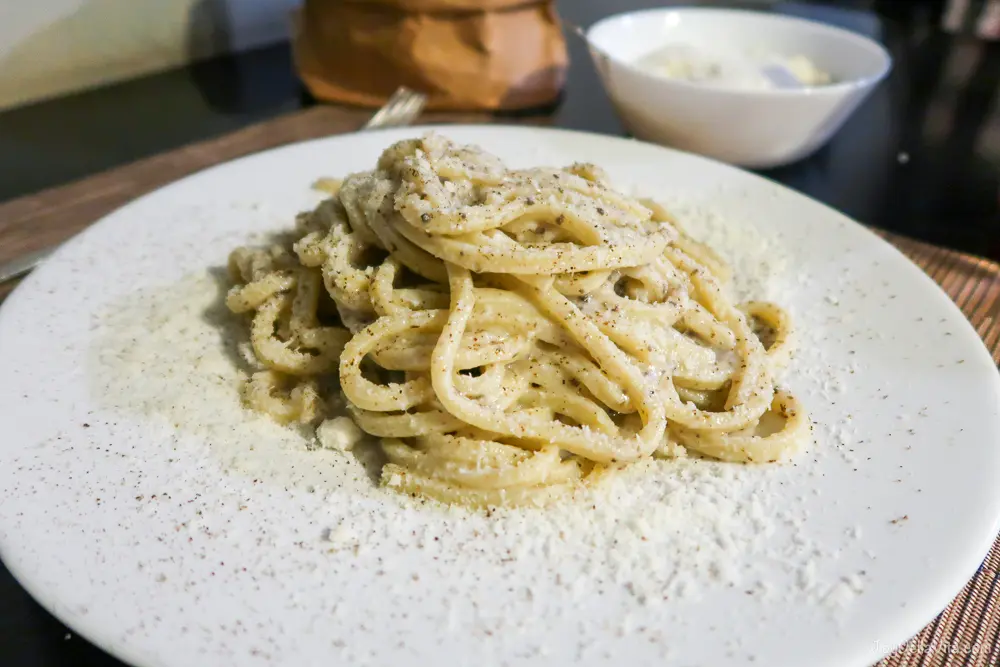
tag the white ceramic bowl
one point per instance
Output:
(751, 128)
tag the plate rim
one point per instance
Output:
(944, 592)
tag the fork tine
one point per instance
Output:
(399, 112)
(409, 108)
(392, 114)
(419, 102)
(401, 108)
(416, 105)
(380, 117)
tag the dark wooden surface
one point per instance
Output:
(36, 221)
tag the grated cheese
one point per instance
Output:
(664, 532)
(339, 434)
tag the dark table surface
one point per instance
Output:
(921, 157)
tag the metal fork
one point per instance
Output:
(402, 108)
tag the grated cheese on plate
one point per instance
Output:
(663, 533)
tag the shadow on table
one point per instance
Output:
(32, 636)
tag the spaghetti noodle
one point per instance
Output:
(509, 334)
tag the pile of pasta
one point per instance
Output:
(509, 334)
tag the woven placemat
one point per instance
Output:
(966, 634)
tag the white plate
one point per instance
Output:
(144, 521)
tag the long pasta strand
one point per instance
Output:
(510, 334)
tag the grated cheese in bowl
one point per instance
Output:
(729, 69)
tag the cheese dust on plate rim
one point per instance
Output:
(194, 530)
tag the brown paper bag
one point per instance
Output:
(464, 54)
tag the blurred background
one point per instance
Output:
(53, 47)
(86, 85)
